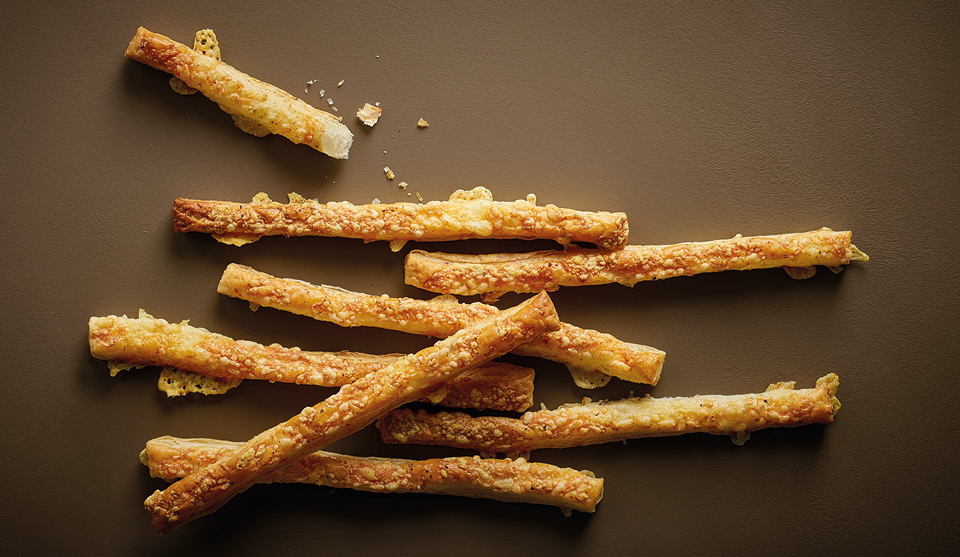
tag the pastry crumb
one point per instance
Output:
(369, 114)
(419, 197)
(389, 173)
(422, 123)
(341, 83)
(403, 186)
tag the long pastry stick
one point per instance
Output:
(148, 341)
(517, 481)
(583, 351)
(353, 407)
(243, 96)
(468, 214)
(493, 274)
(602, 422)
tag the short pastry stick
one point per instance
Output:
(581, 350)
(493, 274)
(147, 341)
(243, 96)
(517, 481)
(352, 408)
(575, 425)
(467, 214)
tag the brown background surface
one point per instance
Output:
(699, 121)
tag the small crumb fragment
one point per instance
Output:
(330, 101)
(322, 91)
(335, 109)
(419, 197)
(403, 186)
(369, 114)
(376, 200)
(389, 173)
(422, 123)
(377, 103)
(341, 83)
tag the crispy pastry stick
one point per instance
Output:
(575, 425)
(507, 480)
(243, 96)
(147, 341)
(468, 214)
(585, 352)
(493, 274)
(354, 407)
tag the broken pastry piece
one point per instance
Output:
(468, 214)
(493, 274)
(197, 360)
(516, 481)
(575, 425)
(369, 114)
(352, 408)
(257, 107)
(590, 355)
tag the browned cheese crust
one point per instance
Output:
(589, 423)
(240, 94)
(353, 407)
(468, 214)
(517, 481)
(578, 349)
(494, 274)
(148, 341)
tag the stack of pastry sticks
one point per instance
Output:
(456, 371)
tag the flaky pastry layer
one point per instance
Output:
(579, 349)
(494, 274)
(352, 408)
(517, 481)
(575, 425)
(148, 341)
(239, 94)
(468, 214)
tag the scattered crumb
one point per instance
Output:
(369, 114)
(376, 200)
(340, 84)
(377, 103)
(335, 109)
(403, 186)
(389, 173)
(330, 101)
(408, 194)
(322, 91)
(419, 197)
(422, 123)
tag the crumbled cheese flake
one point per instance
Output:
(420, 197)
(322, 91)
(422, 123)
(330, 101)
(389, 173)
(403, 186)
(341, 83)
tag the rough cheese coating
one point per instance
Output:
(354, 407)
(575, 425)
(147, 341)
(507, 480)
(243, 96)
(493, 274)
(467, 214)
(578, 349)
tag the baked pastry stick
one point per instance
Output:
(243, 96)
(590, 355)
(494, 274)
(147, 341)
(517, 481)
(575, 425)
(352, 408)
(467, 214)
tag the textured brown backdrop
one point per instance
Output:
(699, 120)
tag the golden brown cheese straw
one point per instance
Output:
(468, 214)
(517, 481)
(240, 94)
(602, 422)
(355, 406)
(578, 349)
(156, 342)
(493, 274)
